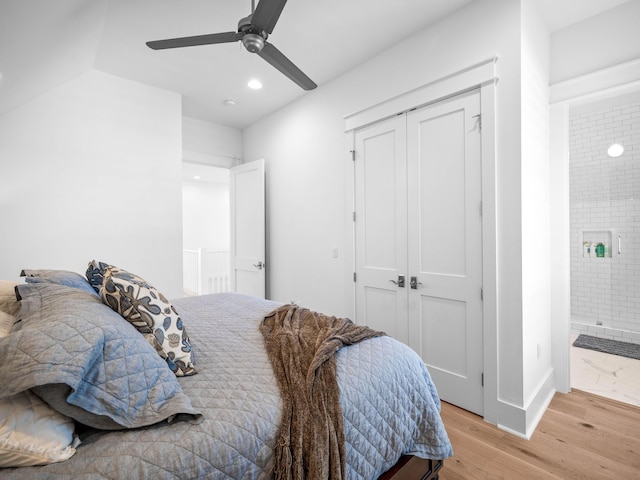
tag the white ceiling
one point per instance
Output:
(320, 37)
(559, 14)
(46, 42)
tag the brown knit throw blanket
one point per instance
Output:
(301, 345)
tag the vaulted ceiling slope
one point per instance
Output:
(44, 43)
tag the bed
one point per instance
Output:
(216, 414)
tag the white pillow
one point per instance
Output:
(31, 432)
(6, 322)
(8, 302)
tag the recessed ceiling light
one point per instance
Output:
(615, 150)
(255, 84)
(229, 101)
(196, 177)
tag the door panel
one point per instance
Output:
(445, 246)
(381, 304)
(248, 229)
(441, 155)
(444, 318)
(381, 208)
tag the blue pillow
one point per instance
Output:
(59, 277)
(87, 362)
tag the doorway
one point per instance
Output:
(604, 196)
(622, 79)
(206, 229)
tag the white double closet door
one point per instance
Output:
(418, 239)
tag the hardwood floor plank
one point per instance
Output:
(570, 450)
(581, 436)
(594, 407)
(589, 437)
(474, 464)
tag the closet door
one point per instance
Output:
(381, 227)
(445, 246)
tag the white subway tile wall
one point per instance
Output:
(605, 208)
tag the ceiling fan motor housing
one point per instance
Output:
(253, 42)
(253, 39)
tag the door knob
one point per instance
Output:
(399, 282)
(259, 265)
(414, 283)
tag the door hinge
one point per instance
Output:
(481, 293)
(353, 155)
(482, 379)
(354, 216)
(481, 209)
(354, 276)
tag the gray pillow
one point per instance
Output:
(59, 277)
(87, 362)
(56, 394)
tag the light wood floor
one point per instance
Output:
(581, 436)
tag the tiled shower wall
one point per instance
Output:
(605, 208)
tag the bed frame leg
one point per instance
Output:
(414, 468)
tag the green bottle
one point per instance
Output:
(600, 250)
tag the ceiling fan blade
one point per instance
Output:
(267, 14)
(272, 55)
(225, 37)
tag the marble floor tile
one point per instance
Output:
(605, 375)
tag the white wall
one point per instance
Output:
(536, 271)
(205, 214)
(210, 144)
(306, 159)
(92, 169)
(44, 50)
(602, 41)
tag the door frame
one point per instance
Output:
(483, 77)
(617, 80)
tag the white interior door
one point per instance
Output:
(247, 258)
(445, 246)
(418, 215)
(381, 227)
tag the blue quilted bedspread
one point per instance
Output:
(389, 404)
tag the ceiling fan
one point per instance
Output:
(253, 30)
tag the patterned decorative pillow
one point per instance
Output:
(95, 274)
(152, 314)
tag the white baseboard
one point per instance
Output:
(522, 421)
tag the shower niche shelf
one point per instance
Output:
(596, 243)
